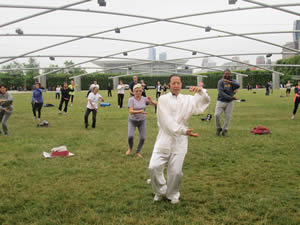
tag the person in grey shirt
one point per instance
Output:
(137, 118)
(6, 108)
(227, 87)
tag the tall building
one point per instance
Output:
(152, 54)
(296, 35)
(288, 53)
(260, 60)
(163, 56)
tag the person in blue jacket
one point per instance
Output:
(37, 100)
(227, 87)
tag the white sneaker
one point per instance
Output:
(293, 117)
(175, 201)
(60, 112)
(157, 198)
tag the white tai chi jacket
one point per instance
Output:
(173, 113)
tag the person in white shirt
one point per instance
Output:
(92, 86)
(92, 106)
(121, 90)
(57, 95)
(173, 111)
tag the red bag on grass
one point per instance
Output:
(260, 130)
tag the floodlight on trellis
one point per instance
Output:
(125, 53)
(207, 29)
(52, 58)
(232, 2)
(268, 55)
(102, 3)
(19, 31)
(117, 30)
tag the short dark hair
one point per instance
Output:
(2, 85)
(171, 76)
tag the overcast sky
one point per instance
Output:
(78, 23)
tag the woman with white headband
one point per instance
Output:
(137, 118)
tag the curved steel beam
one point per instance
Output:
(42, 13)
(139, 24)
(273, 7)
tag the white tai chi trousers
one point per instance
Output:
(158, 181)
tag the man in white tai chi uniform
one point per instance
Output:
(173, 111)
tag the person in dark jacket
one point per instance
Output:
(6, 108)
(296, 99)
(37, 100)
(109, 88)
(227, 87)
(65, 97)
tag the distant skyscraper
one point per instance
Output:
(163, 56)
(260, 60)
(205, 62)
(152, 54)
(296, 36)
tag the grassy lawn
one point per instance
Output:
(243, 179)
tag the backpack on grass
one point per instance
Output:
(260, 130)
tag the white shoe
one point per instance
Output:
(175, 201)
(157, 198)
(293, 117)
(60, 112)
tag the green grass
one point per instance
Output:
(243, 179)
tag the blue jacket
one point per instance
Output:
(226, 90)
(37, 95)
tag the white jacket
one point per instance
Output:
(173, 113)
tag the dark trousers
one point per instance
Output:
(157, 95)
(38, 107)
(72, 98)
(297, 101)
(57, 96)
(61, 104)
(86, 116)
(109, 93)
(120, 100)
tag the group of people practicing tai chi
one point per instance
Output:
(173, 112)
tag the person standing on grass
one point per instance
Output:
(227, 87)
(296, 100)
(144, 86)
(158, 89)
(165, 88)
(121, 90)
(57, 92)
(173, 112)
(37, 100)
(288, 88)
(6, 108)
(131, 85)
(72, 91)
(92, 106)
(109, 88)
(92, 87)
(65, 97)
(137, 118)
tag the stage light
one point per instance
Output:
(268, 55)
(102, 2)
(186, 67)
(52, 58)
(207, 29)
(129, 68)
(232, 2)
(117, 30)
(19, 31)
(125, 53)
(194, 53)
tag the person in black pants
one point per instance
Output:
(296, 100)
(65, 97)
(92, 106)
(109, 88)
(121, 90)
(37, 100)
(158, 90)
